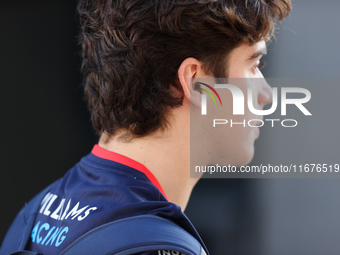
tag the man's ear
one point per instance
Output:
(189, 70)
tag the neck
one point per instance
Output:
(166, 154)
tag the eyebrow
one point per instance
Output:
(258, 54)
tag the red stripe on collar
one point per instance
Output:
(116, 157)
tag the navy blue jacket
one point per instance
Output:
(104, 186)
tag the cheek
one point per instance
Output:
(225, 143)
(234, 141)
(237, 139)
(235, 147)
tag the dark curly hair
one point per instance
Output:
(132, 50)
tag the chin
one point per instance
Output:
(241, 156)
(245, 157)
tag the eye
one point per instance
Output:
(260, 65)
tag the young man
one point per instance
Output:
(139, 58)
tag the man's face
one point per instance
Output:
(244, 71)
(234, 144)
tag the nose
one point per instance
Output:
(265, 94)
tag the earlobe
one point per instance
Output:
(188, 72)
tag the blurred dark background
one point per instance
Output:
(45, 129)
